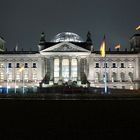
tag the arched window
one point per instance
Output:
(26, 76)
(114, 77)
(122, 76)
(34, 76)
(17, 76)
(1, 76)
(9, 76)
(65, 69)
(1, 65)
(130, 74)
(97, 77)
(74, 69)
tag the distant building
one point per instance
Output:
(67, 58)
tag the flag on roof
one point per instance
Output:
(118, 46)
(138, 27)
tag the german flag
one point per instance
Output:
(118, 46)
(138, 27)
(102, 48)
(21, 69)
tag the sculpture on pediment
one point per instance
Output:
(65, 47)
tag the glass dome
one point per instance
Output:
(67, 37)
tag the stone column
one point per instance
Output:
(78, 69)
(45, 69)
(91, 69)
(87, 67)
(137, 70)
(51, 68)
(60, 68)
(43, 64)
(70, 68)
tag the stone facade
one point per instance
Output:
(63, 62)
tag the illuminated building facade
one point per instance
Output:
(69, 59)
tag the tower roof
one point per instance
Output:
(67, 37)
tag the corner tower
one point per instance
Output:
(135, 43)
(42, 41)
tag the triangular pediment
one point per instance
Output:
(65, 47)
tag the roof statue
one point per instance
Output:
(89, 40)
(42, 39)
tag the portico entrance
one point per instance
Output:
(65, 69)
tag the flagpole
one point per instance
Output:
(22, 83)
(105, 81)
(103, 54)
(7, 78)
(7, 83)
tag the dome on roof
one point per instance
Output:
(67, 37)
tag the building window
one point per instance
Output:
(34, 65)
(26, 76)
(9, 65)
(18, 76)
(130, 65)
(131, 88)
(122, 65)
(105, 65)
(122, 76)
(34, 76)
(1, 65)
(1, 76)
(74, 69)
(97, 77)
(10, 77)
(18, 65)
(130, 74)
(114, 65)
(114, 77)
(26, 65)
(97, 65)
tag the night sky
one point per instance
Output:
(22, 21)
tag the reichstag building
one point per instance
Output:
(68, 59)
